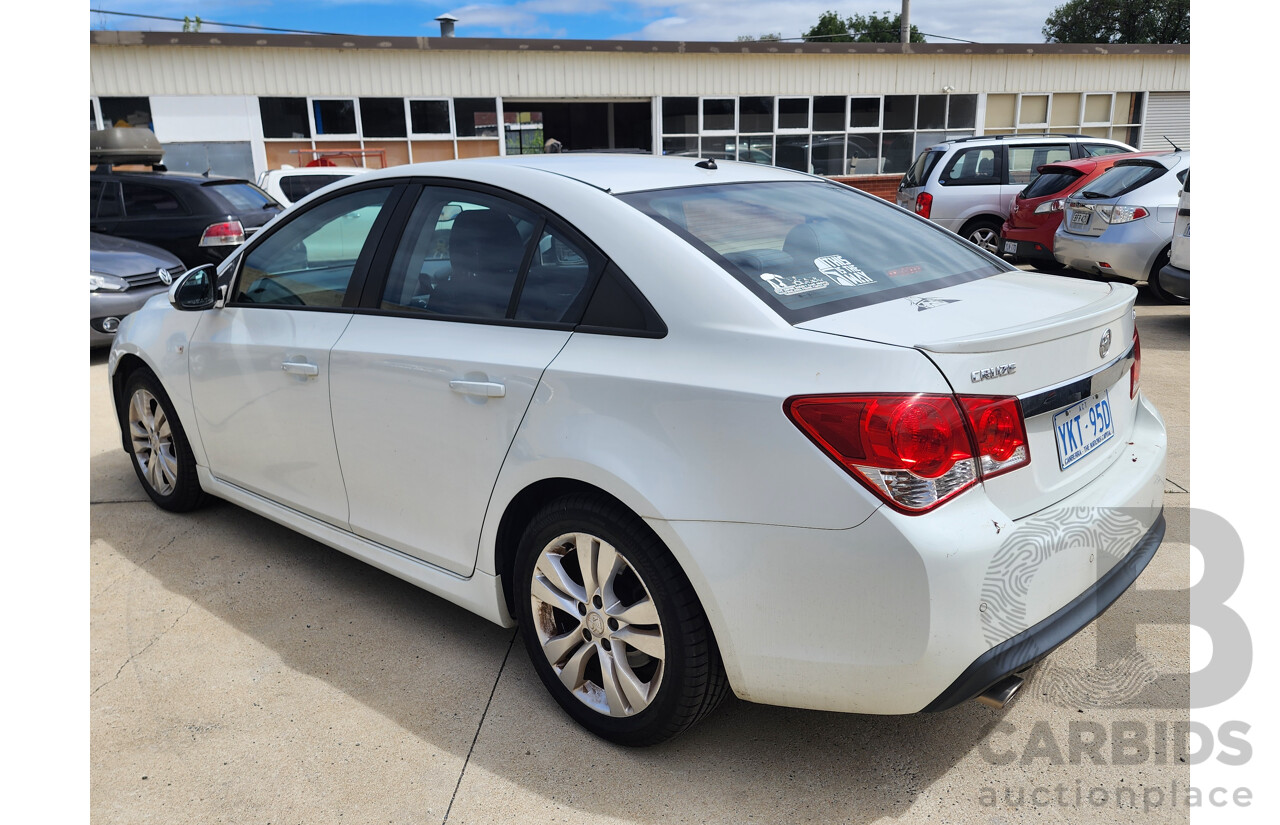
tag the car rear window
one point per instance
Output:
(1051, 182)
(1120, 179)
(243, 196)
(297, 187)
(920, 169)
(809, 249)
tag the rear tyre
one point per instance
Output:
(612, 625)
(984, 233)
(1153, 280)
(158, 446)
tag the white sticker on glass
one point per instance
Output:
(842, 273)
(793, 285)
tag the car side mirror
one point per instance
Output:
(196, 289)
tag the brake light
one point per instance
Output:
(1135, 372)
(924, 204)
(228, 233)
(1120, 214)
(915, 451)
(1048, 207)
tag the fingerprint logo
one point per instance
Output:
(1115, 683)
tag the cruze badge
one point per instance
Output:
(165, 277)
(993, 372)
(1104, 346)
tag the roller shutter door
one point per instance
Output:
(1168, 114)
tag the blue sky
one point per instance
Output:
(984, 21)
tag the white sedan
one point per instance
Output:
(693, 427)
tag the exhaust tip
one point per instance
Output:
(1001, 693)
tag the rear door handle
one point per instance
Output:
(484, 389)
(300, 368)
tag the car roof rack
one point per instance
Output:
(1007, 137)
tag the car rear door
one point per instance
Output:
(260, 365)
(432, 378)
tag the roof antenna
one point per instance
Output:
(1175, 146)
(709, 163)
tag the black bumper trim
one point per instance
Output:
(1036, 642)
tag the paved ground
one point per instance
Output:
(241, 673)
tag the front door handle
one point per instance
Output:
(484, 389)
(300, 368)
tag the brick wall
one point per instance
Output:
(886, 186)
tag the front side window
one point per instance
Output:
(814, 249)
(309, 261)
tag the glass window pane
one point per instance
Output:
(429, 117)
(793, 152)
(242, 196)
(1097, 108)
(755, 114)
(1035, 109)
(309, 261)
(717, 114)
(476, 116)
(721, 148)
(828, 115)
(126, 111)
(897, 151)
(93, 117)
(962, 111)
(933, 112)
(460, 255)
(141, 200)
(334, 117)
(284, 117)
(686, 146)
(976, 165)
(679, 115)
(109, 206)
(1023, 161)
(1128, 108)
(558, 275)
(864, 113)
(863, 152)
(1065, 111)
(382, 117)
(793, 113)
(1000, 110)
(95, 192)
(827, 154)
(756, 149)
(900, 112)
(926, 139)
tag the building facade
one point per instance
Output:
(242, 103)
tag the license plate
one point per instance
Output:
(1011, 247)
(1079, 218)
(1082, 428)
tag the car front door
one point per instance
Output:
(260, 364)
(432, 378)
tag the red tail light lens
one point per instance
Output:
(228, 233)
(924, 204)
(1135, 372)
(915, 451)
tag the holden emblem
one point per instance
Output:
(1104, 346)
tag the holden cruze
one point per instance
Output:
(694, 427)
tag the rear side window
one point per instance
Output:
(920, 169)
(1118, 180)
(1051, 183)
(142, 201)
(243, 197)
(814, 249)
(1024, 161)
(297, 187)
(973, 167)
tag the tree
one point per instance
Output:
(1119, 21)
(749, 38)
(857, 28)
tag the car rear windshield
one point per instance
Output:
(297, 187)
(1119, 179)
(1051, 182)
(243, 197)
(809, 249)
(920, 169)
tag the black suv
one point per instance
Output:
(199, 218)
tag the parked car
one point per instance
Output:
(967, 184)
(198, 218)
(1174, 279)
(123, 275)
(289, 185)
(1027, 234)
(693, 429)
(1120, 224)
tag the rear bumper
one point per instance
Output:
(1033, 246)
(1176, 281)
(1129, 248)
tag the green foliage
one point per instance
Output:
(857, 28)
(1119, 21)
(749, 38)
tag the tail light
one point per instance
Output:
(1120, 214)
(924, 204)
(228, 233)
(1135, 372)
(915, 451)
(1048, 207)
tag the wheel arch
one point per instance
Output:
(126, 366)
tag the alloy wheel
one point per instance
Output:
(152, 439)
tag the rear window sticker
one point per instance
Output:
(792, 285)
(841, 272)
(921, 304)
(904, 270)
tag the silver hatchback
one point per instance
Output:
(1122, 223)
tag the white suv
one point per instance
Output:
(967, 185)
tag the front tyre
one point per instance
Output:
(612, 625)
(984, 233)
(158, 446)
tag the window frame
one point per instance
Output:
(408, 113)
(320, 137)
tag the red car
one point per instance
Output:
(1027, 234)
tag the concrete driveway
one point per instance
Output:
(241, 673)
